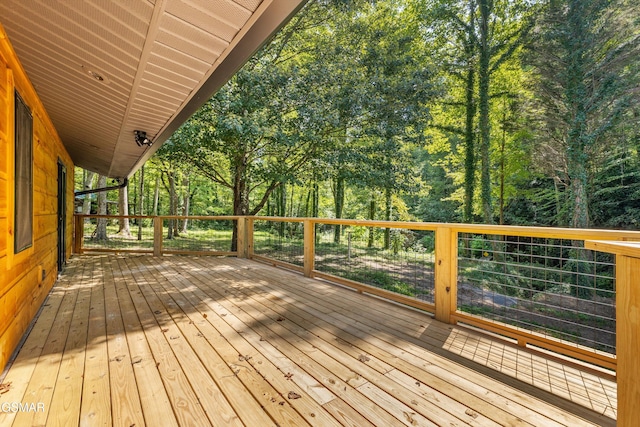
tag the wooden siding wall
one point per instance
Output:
(27, 277)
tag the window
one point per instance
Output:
(23, 220)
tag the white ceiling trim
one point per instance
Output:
(152, 32)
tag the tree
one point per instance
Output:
(399, 85)
(86, 185)
(123, 210)
(583, 59)
(476, 38)
(100, 232)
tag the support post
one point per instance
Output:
(446, 273)
(78, 235)
(249, 242)
(157, 236)
(627, 338)
(242, 237)
(309, 247)
(627, 326)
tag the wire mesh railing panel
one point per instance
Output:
(197, 235)
(554, 287)
(280, 240)
(106, 234)
(401, 261)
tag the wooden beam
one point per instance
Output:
(242, 238)
(446, 273)
(157, 236)
(627, 326)
(78, 235)
(628, 339)
(250, 225)
(309, 247)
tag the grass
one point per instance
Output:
(194, 240)
(381, 279)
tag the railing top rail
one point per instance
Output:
(279, 218)
(511, 230)
(200, 217)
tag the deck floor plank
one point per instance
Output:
(154, 400)
(359, 362)
(45, 374)
(185, 401)
(231, 389)
(389, 331)
(67, 395)
(342, 381)
(381, 349)
(180, 340)
(249, 392)
(265, 360)
(96, 399)
(125, 398)
(23, 367)
(347, 344)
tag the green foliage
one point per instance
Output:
(366, 109)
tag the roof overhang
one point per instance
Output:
(104, 69)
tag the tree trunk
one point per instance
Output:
(141, 203)
(176, 205)
(484, 123)
(502, 147)
(240, 199)
(338, 198)
(470, 110)
(156, 196)
(316, 200)
(282, 207)
(307, 203)
(123, 210)
(372, 216)
(86, 185)
(172, 204)
(187, 203)
(101, 227)
(387, 217)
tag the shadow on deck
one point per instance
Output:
(138, 340)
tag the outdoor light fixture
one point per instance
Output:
(141, 138)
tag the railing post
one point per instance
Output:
(309, 247)
(78, 235)
(241, 244)
(157, 236)
(627, 326)
(446, 273)
(249, 242)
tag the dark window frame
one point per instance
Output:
(23, 170)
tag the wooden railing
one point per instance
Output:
(149, 234)
(489, 277)
(517, 270)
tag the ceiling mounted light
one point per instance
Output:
(95, 75)
(141, 138)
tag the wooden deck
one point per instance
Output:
(197, 341)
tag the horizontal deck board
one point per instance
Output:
(185, 340)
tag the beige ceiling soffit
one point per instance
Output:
(232, 45)
(152, 32)
(258, 31)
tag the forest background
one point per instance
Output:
(518, 112)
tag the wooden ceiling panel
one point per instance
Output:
(191, 40)
(222, 18)
(106, 68)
